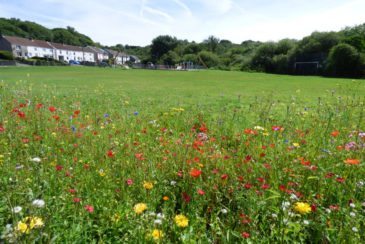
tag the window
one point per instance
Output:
(18, 47)
(35, 49)
(30, 54)
(44, 49)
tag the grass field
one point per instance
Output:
(110, 155)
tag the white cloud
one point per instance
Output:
(137, 22)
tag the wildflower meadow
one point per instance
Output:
(93, 155)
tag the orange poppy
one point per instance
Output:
(352, 161)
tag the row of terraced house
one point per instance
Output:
(29, 48)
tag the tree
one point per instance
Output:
(208, 59)
(344, 60)
(262, 60)
(170, 58)
(162, 45)
(212, 43)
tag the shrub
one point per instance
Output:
(344, 60)
(6, 55)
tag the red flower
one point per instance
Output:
(265, 186)
(89, 208)
(195, 173)
(248, 186)
(335, 133)
(59, 167)
(201, 192)
(139, 156)
(224, 177)
(76, 200)
(340, 180)
(110, 154)
(186, 197)
(72, 191)
(52, 109)
(21, 114)
(39, 105)
(203, 128)
(77, 112)
(245, 235)
(25, 140)
(314, 208)
(2, 129)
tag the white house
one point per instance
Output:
(99, 54)
(63, 52)
(26, 48)
(120, 58)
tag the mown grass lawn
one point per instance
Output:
(135, 156)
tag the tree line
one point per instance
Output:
(338, 54)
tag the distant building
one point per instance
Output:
(63, 52)
(29, 48)
(120, 57)
(26, 48)
(100, 55)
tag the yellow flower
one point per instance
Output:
(115, 218)
(157, 234)
(29, 223)
(296, 144)
(36, 222)
(302, 207)
(102, 173)
(147, 185)
(165, 198)
(22, 227)
(181, 220)
(140, 208)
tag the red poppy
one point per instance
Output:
(335, 133)
(52, 109)
(21, 114)
(89, 208)
(2, 129)
(340, 180)
(224, 177)
(110, 154)
(195, 173)
(203, 128)
(139, 156)
(59, 167)
(39, 105)
(186, 197)
(245, 235)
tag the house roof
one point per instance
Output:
(115, 53)
(67, 47)
(27, 42)
(96, 50)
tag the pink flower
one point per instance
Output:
(76, 200)
(89, 208)
(201, 192)
(129, 182)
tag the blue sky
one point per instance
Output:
(137, 22)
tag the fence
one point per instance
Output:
(7, 63)
(168, 67)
